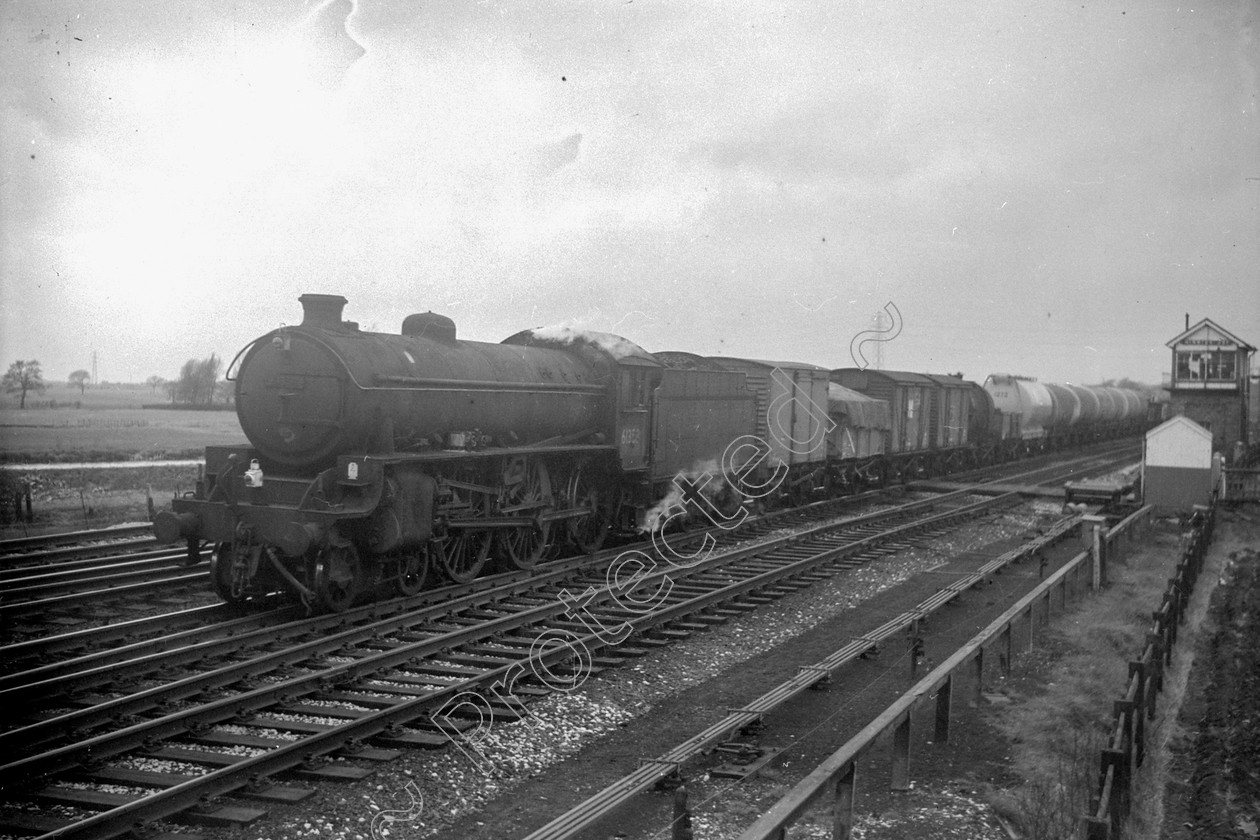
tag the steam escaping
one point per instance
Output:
(614, 345)
(705, 478)
(655, 517)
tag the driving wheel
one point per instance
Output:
(588, 531)
(463, 552)
(528, 495)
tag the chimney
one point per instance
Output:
(322, 310)
(1187, 320)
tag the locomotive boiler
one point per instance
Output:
(374, 456)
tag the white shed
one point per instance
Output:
(1178, 467)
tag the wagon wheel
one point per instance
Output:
(802, 493)
(522, 548)
(227, 575)
(729, 502)
(338, 576)
(413, 571)
(463, 552)
(587, 532)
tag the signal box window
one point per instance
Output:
(1211, 366)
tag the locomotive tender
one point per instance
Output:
(378, 458)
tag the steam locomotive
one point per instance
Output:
(382, 459)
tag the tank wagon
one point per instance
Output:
(1036, 415)
(382, 459)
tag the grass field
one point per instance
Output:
(93, 396)
(109, 424)
(112, 434)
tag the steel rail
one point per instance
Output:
(91, 638)
(95, 595)
(77, 721)
(176, 799)
(617, 794)
(16, 544)
(652, 771)
(480, 591)
(54, 581)
(72, 556)
(165, 804)
(505, 584)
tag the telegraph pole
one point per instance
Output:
(877, 324)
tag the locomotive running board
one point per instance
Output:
(459, 454)
(517, 521)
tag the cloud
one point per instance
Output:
(328, 47)
(516, 163)
(550, 157)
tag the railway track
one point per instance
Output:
(85, 649)
(723, 733)
(300, 695)
(67, 579)
(59, 580)
(33, 546)
(664, 771)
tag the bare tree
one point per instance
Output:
(155, 382)
(197, 380)
(22, 377)
(225, 391)
(80, 379)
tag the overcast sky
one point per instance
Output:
(1040, 188)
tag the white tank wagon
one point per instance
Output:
(1045, 414)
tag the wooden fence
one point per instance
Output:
(836, 777)
(1241, 485)
(1126, 749)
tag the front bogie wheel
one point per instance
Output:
(413, 571)
(338, 576)
(229, 574)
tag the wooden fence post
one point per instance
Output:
(846, 784)
(1093, 536)
(978, 694)
(1117, 761)
(1156, 676)
(944, 700)
(901, 755)
(1137, 710)
(1096, 829)
(681, 826)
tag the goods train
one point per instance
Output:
(380, 458)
